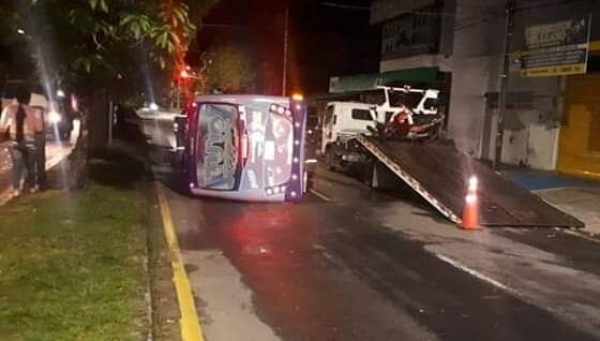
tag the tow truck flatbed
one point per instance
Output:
(438, 172)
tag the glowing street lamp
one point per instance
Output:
(185, 74)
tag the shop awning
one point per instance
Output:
(371, 81)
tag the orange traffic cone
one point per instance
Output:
(470, 218)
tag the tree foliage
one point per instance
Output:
(111, 43)
(228, 68)
(9, 20)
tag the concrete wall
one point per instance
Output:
(476, 64)
(534, 144)
(479, 28)
(470, 81)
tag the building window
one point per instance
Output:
(412, 34)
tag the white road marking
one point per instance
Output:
(475, 273)
(320, 195)
(550, 190)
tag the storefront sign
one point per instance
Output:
(559, 48)
(411, 34)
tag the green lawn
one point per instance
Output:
(72, 266)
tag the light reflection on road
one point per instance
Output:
(272, 245)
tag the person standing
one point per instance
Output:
(22, 123)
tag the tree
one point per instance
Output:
(123, 45)
(228, 68)
(9, 19)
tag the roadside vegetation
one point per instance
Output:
(73, 265)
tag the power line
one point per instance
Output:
(484, 16)
(501, 13)
(343, 6)
(549, 4)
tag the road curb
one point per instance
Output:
(190, 326)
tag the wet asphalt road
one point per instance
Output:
(356, 264)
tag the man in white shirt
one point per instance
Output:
(22, 123)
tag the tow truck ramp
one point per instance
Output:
(438, 172)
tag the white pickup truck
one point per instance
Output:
(342, 122)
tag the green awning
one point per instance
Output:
(371, 81)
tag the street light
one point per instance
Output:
(183, 75)
(21, 31)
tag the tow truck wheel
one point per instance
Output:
(368, 171)
(329, 159)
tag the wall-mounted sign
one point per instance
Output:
(559, 48)
(411, 34)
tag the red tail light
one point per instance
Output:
(245, 147)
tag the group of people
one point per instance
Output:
(23, 125)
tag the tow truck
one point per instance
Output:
(356, 136)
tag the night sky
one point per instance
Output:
(324, 40)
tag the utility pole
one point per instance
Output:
(504, 78)
(285, 47)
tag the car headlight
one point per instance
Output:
(54, 117)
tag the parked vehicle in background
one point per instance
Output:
(346, 119)
(60, 117)
(244, 147)
(344, 122)
(387, 101)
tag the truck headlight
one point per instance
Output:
(54, 117)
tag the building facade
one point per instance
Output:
(552, 120)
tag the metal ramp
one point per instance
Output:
(439, 172)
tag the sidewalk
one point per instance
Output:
(581, 202)
(576, 196)
(535, 180)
